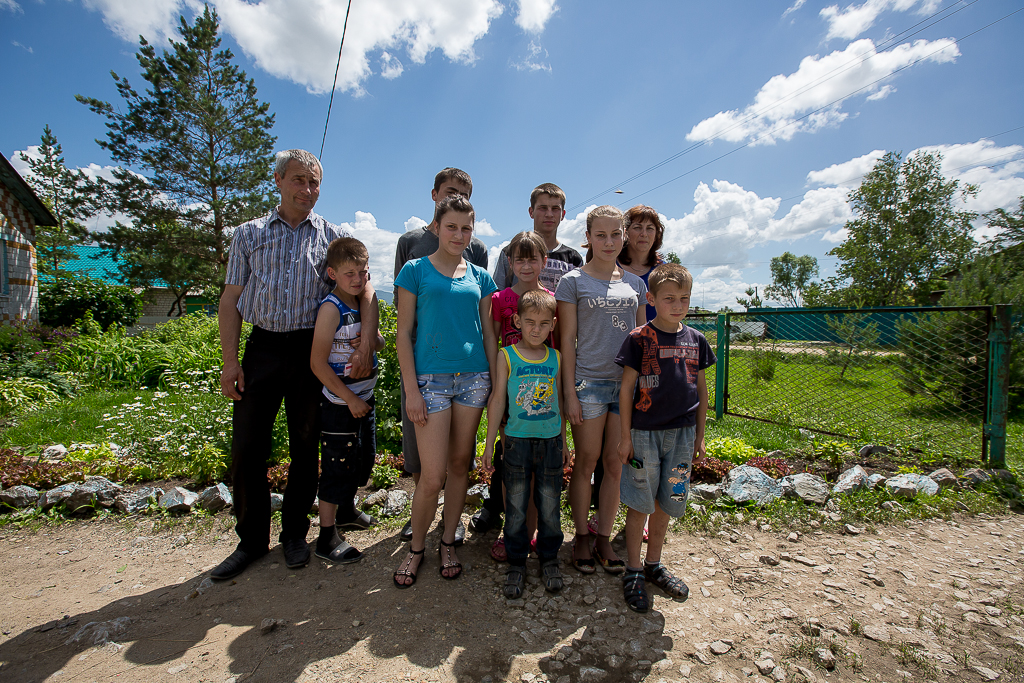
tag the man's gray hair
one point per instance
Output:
(306, 159)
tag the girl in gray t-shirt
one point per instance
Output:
(598, 305)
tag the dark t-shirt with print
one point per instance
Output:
(665, 396)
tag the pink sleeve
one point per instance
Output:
(496, 306)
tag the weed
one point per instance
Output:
(909, 655)
(855, 627)
(384, 476)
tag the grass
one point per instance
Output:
(77, 420)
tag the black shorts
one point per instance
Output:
(348, 446)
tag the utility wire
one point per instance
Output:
(335, 84)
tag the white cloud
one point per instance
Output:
(492, 255)
(853, 20)
(820, 209)
(11, 5)
(26, 48)
(154, 19)
(533, 59)
(817, 91)
(390, 66)
(793, 8)
(415, 223)
(269, 31)
(381, 244)
(882, 93)
(849, 173)
(533, 15)
(720, 272)
(482, 228)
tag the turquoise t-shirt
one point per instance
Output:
(449, 336)
(532, 395)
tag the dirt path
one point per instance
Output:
(938, 588)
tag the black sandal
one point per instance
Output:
(408, 570)
(449, 564)
(583, 566)
(615, 566)
(343, 553)
(635, 591)
(515, 582)
(660, 576)
(552, 576)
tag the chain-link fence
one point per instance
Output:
(914, 378)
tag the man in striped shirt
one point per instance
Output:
(276, 279)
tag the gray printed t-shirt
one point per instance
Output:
(605, 315)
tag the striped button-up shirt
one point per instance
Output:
(282, 270)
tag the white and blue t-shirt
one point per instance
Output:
(341, 353)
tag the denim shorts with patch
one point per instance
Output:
(465, 388)
(598, 396)
(665, 456)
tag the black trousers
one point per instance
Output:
(276, 367)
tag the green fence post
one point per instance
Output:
(722, 367)
(998, 388)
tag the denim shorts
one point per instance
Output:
(665, 456)
(465, 388)
(598, 396)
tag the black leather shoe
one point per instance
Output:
(234, 564)
(296, 553)
(483, 521)
(406, 533)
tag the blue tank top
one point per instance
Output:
(341, 353)
(532, 395)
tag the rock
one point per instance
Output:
(879, 634)
(746, 483)
(701, 655)
(178, 500)
(787, 613)
(684, 670)
(268, 625)
(891, 506)
(204, 585)
(315, 508)
(852, 530)
(943, 477)
(56, 496)
(276, 502)
(720, 647)
(93, 492)
(765, 666)
(396, 503)
(811, 627)
(378, 497)
(706, 492)
(214, 498)
(100, 632)
(909, 485)
(851, 480)
(19, 496)
(986, 673)
(477, 494)
(823, 657)
(778, 674)
(55, 452)
(808, 487)
(793, 537)
(871, 449)
(592, 673)
(1003, 475)
(769, 560)
(807, 674)
(974, 476)
(876, 480)
(131, 502)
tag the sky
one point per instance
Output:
(745, 123)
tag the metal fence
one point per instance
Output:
(930, 379)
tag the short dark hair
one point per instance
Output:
(548, 189)
(452, 173)
(345, 249)
(456, 203)
(639, 214)
(669, 272)
(537, 300)
(527, 244)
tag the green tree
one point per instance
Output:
(672, 257)
(907, 232)
(201, 138)
(791, 276)
(1010, 238)
(67, 298)
(65, 193)
(751, 300)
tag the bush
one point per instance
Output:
(735, 451)
(20, 394)
(709, 470)
(67, 298)
(773, 467)
(384, 476)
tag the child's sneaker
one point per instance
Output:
(515, 582)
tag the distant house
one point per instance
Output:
(21, 212)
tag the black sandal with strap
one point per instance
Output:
(450, 564)
(552, 576)
(408, 570)
(635, 591)
(515, 582)
(660, 576)
(612, 566)
(583, 565)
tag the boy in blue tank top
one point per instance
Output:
(528, 377)
(348, 441)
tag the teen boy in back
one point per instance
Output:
(663, 405)
(348, 440)
(528, 377)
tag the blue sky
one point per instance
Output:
(779, 108)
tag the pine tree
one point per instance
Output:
(201, 139)
(65, 194)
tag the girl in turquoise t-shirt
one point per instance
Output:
(446, 373)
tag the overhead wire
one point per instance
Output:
(344, 30)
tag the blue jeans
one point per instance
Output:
(540, 460)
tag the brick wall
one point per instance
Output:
(158, 301)
(17, 229)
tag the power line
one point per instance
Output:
(330, 104)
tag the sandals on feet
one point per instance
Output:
(635, 591)
(582, 565)
(343, 553)
(405, 569)
(660, 576)
(450, 563)
(552, 576)
(498, 552)
(515, 582)
(615, 566)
